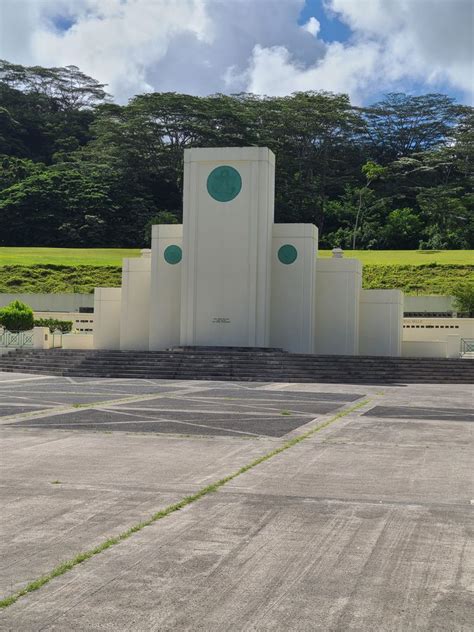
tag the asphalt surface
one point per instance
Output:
(366, 525)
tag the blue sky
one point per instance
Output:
(365, 48)
(332, 29)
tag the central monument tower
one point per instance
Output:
(228, 204)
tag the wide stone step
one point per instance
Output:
(244, 364)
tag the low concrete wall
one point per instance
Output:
(425, 349)
(78, 341)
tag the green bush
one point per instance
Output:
(64, 326)
(17, 317)
(464, 298)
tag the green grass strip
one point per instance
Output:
(64, 567)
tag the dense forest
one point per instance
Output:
(79, 170)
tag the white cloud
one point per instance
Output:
(312, 26)
(205, 46)
(112, 40)
(393, 43)
(342, 69)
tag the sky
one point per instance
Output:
(365, 48)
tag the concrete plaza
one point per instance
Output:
(366, 524)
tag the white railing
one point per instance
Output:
(16, 339)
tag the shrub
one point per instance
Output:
(464, 298)
(64, 326)
(17, 317)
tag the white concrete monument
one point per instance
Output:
(229, 276)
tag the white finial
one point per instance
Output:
(145, 252)
(337, 253)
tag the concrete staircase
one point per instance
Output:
(218, 363)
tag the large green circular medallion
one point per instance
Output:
(287, 254)
(173, 254)
(224, 183)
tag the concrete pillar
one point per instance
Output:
(165, 291)
(135, 303)
(293, 299)
(42, 338)
(339, 282)
(381, 322)
(107, 317)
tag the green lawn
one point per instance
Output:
(408, 257)
(66, 256)
(114, 256)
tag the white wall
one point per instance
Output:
(135, 306)
(107, 317)
(338, 283)
(165, 291)
(225, 294)
(78, 341)
(380, 322)
(293, 296)
(420, 329)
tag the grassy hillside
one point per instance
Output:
(424, 279)
(114, 256)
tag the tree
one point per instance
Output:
(402, 230)
(372, 171)
(401, 125)
(78, 169)
(163, 217)
(56, 207)
(67, 87)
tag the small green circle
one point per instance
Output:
(173, 254)
(224, 183)
(287, 254)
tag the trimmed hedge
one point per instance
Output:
(64, 326)
(17, 316)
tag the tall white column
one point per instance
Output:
(228, 214)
